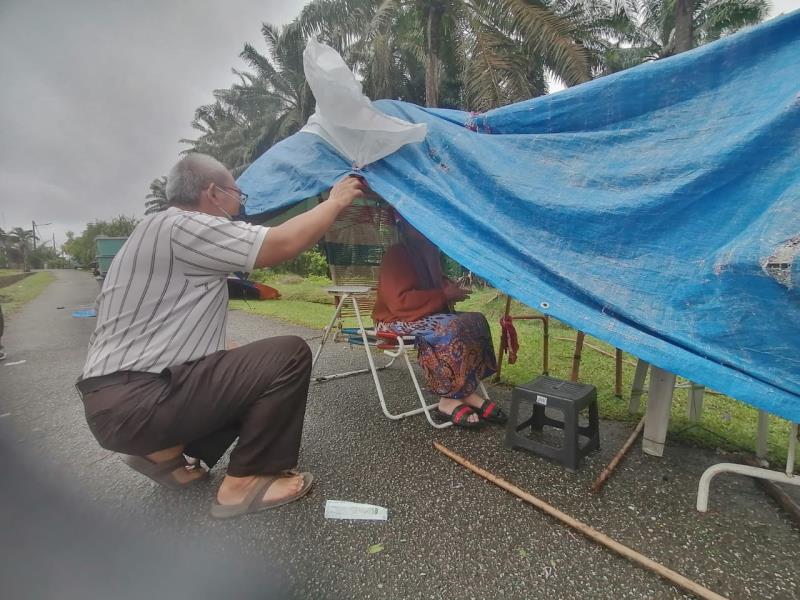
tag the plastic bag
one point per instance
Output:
(345, 117)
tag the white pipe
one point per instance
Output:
(788, 477)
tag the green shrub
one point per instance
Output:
(311, 263)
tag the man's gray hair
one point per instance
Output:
(191, 175)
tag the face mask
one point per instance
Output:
(227, 214)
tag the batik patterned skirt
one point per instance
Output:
(455, 350)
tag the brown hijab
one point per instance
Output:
(424, 257)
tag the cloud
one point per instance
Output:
(97, 94)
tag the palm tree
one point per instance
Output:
(5, 241)
(156, 200)
(644, 30)
(21, 240)
(497, 49)
(266, 105)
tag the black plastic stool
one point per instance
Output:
(570, 398)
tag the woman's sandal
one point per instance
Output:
(161, 472)
(254, 501)
(460, 416)
(491, 412)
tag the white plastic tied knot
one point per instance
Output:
(345, 117)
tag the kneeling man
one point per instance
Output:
(158, 384)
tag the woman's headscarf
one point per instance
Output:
(424, 256)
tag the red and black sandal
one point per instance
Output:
(491, 412)
(460, 416)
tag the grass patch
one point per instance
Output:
(12, 297)
(4, 272)
(726, 423)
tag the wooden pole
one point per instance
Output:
(596, 349)
(618, 373)
(606, 473)
(576, 358)
(602, 539)
(545, 344)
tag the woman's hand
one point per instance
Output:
(453, 293)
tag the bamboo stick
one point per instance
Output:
(606, 473)
(576, 359)
(618, 373)
(596, 349)
(602, 539)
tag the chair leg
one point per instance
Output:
(695, 408)
(659, 402)
(571, 440)
(426, 408)
(328, 329)
(377, 380)
(638, 385)
(326, 333)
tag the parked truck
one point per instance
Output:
(106, 249)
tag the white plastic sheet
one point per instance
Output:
(345, 117)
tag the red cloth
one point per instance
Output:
(508, 338)
(399, 297)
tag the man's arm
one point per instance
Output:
(287, 240)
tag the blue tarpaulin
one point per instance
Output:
(657, 209)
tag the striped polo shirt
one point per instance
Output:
(164, 300)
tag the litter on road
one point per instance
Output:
(340, 509)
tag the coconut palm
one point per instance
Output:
(156, 200)
(267, 104)
(20, 244)
(497, 49)
(644, 30)
(5, 241)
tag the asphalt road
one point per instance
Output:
(450, 534)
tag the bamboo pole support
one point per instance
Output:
(618, 373)
(607, 472)
(595, 348)
(594, 535)
(576, 358)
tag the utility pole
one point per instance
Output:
(33, 228)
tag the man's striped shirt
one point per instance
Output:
(164, 300)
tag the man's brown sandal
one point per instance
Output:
(161, 472)
(254, 501)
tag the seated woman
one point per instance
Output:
(455, 349)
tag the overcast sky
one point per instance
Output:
(97, 93)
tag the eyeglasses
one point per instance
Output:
(240, 195)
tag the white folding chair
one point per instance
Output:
(354, 247)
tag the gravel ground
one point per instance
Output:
(450, 534)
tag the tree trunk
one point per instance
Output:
(683, 25)
(433, 32)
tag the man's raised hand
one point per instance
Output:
(348, 189)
